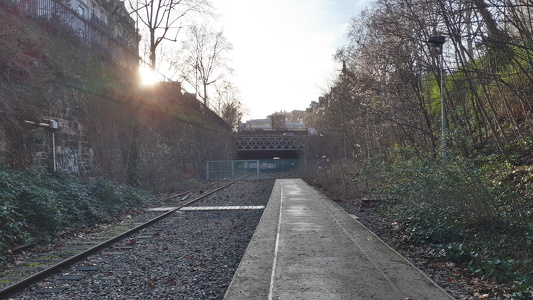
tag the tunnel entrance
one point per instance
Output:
(270, 154)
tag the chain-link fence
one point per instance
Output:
(252, 169)
(231, 169)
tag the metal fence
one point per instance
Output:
(252, 169)
(232, 169)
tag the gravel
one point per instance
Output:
(192, 255)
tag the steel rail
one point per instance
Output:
(20, 285)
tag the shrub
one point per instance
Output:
(479, 209)
(38, 207)
(336, 178)
(115, 199)
(13, 229)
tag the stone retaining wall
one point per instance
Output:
(153, 139)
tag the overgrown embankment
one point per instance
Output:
(476, 213)
(37, 208)
(435, 119)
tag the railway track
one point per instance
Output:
(45, 264)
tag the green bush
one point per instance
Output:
(38, 207)
(113, 198)
(13, 226)
(480, 209)
(438, 197)
(433, 226)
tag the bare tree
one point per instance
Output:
(164, 19)
(388, 90)
(229, 107)
(205, 61)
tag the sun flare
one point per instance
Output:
(148, 77)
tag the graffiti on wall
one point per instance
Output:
(268, 165)
(70, 161)
(262, 165)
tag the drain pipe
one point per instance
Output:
(54, 149)
(52, 124)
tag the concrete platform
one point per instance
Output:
(307, 247)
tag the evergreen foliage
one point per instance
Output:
(37, 207)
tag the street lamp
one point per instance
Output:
(436, 44)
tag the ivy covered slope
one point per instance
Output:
(36, 208)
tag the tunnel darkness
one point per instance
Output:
(269, 154)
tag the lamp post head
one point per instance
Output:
(436, 43)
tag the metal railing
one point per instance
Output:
(251, 143)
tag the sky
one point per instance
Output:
(283, 49)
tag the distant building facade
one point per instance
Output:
(256, 124)
(297, 121)
(278, 121)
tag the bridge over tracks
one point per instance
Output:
(258, 147)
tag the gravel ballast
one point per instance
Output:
(191, 255)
